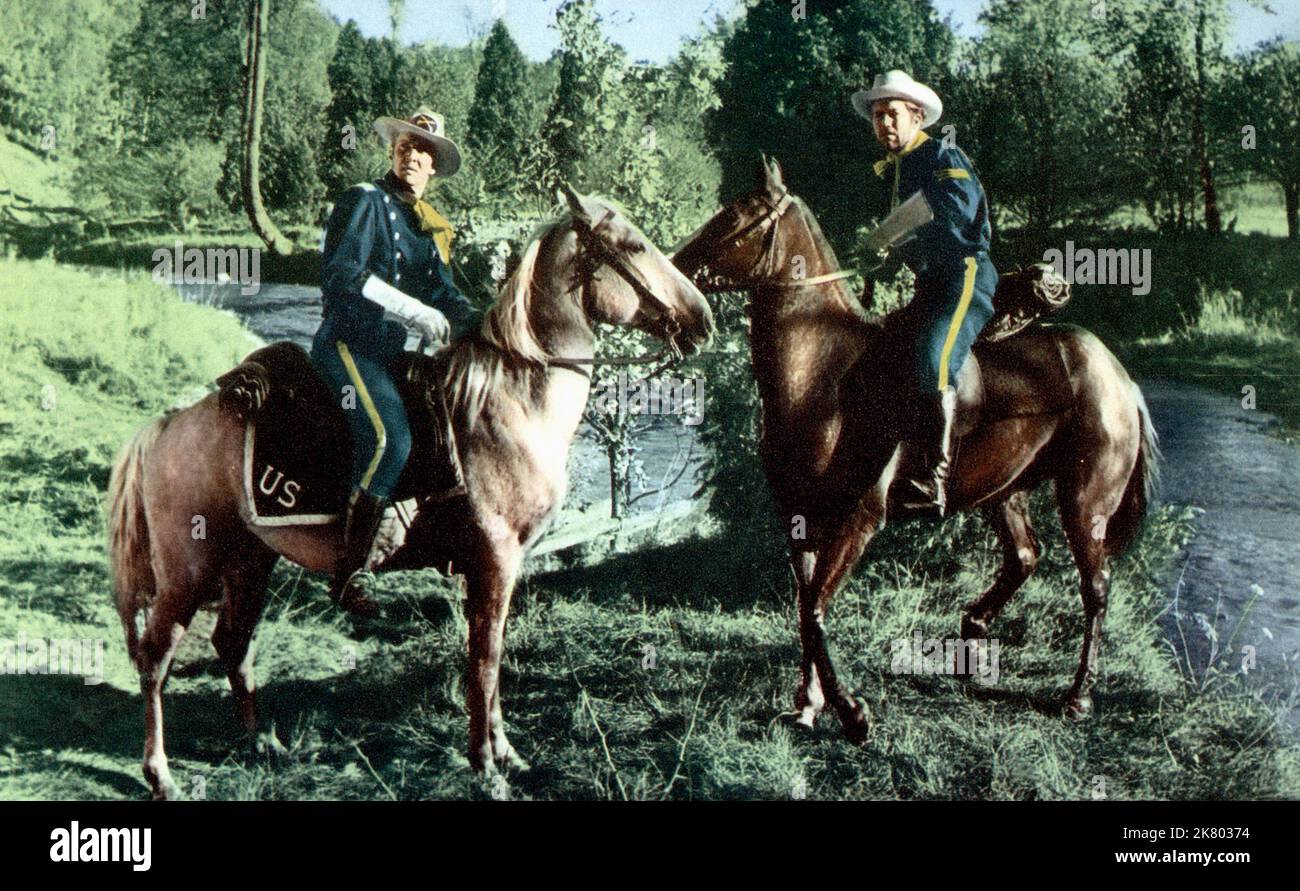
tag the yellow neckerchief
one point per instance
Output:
(882, 165)
(431, 222)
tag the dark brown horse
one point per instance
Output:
(1049, 403)
(517, 399)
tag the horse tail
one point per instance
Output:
(134, 584)
(1125, 525)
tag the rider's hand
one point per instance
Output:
(433, 325)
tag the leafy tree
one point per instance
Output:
(54, 69)
(357, 80)
(787, 93)
(591, 71)
(1263, 125)
(499, 118)
(178, 177)
(1033, 105)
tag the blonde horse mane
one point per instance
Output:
(506, 351)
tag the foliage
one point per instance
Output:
(1263, 93)
(787, 91)
(499, 118)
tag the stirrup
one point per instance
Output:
(935, 492)
(353, 598)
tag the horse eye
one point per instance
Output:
(633, 247)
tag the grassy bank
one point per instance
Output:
(382, 715)
(1222, 312)
(1251, 356)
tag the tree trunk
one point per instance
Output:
(1213, 222)
(617, 481)
(259, 12)
(1292, 190)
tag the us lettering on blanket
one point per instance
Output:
(290, 489)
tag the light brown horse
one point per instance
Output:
(1048, 403)
(517, 397)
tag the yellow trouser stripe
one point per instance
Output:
(953, 173)
(967, 289)
(381, 437)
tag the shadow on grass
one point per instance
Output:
(704, 573)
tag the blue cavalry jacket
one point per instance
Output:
(961, 226)
(371, 231)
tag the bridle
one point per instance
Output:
(595, 252)
(763, 273)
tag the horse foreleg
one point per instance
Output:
(809, 700)
(1010, 520)
(490, 586)
(843, 547)
(245, 595)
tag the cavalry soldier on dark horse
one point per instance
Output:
(386, 249)
(955, 279)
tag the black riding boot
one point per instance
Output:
(364, 513)
(941, 414)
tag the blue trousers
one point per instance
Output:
(953, 305)
(373, 408)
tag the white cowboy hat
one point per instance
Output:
(429, 126)
(899, 85)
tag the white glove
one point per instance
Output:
(431, 323)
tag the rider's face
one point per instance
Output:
(413, 161)
(894, 124)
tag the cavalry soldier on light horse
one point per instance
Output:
(955, 279)
(386, 249)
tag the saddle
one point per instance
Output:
(1015, 367)
(298, 448)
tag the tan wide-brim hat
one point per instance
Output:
(428, 126)
(899, 85)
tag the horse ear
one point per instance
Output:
(774, 176)
(761, 173)
(573, 200)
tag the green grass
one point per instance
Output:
(382, 715)
(29, 174)
(1227, 347)
(1257, 207)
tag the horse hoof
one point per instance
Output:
(858, 727)
(360, 605)
(798, 721)
(971, 629)
(268, 744)
(512, 761)
(168, 791)
(1078, 709)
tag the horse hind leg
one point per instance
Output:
(244, 582)
(1086, 508)
(1020, 551)
(169, 616)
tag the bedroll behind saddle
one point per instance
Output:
(1023, 296)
